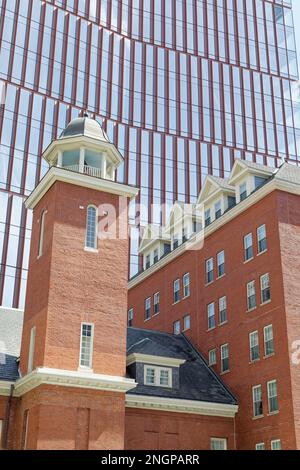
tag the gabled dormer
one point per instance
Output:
(184, 221)
(247, 177)
(216, 197)
(154, 245)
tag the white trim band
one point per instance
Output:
(181, 406)
(77, 379)
(154, 360)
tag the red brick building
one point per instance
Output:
(233, 288)
(72, 376)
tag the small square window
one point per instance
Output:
(218, 444)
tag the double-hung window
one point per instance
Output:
(254, 346)
(211, 318)
(265, 288)
(176, 327)
(251, 295)
(243, 191)
(222, 310)
(130, 317)
(207, 218)
(218, 210)
(221, 263)
(91, 228)
(176, 291)
(224, 358)
(209, 270)
(257, 401)
(148, 308)
(156, 303)
(248, 247)
(261, 239)
(268, 340)
(272, 396)
(212, 357)
(186, 285)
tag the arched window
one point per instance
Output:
(42, 229)
(91, 228)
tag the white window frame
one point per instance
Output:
(187, 318)
(177, 322)
(251, 285)
(260, 444)
(31, 350)
(224, 347)
(209, 262)
(265, 341)
(241, 191)
(147, 261)
(90, 366)
(156, 300)
(246, 237)
(130, 315)
(259, 239)
(186, 285)
(214, 351)
(176, 290)
(1, 432)
(41, 234)
(223, 300)
(211, 313)
(155, 252)
(275, 441)
(273, 396)
(147, 302)
(252, 346)
(220, 254)
(262, 277)
(95, 247)
(157, 376)
(222, 440)
(254, 388)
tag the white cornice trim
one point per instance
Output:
(5, 388)
(79, 179)
(77, 379)
(181, 406)
(275, 184)
(155, 360)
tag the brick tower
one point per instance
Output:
(73, 355)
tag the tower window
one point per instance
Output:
(86, 345)
(31, 350)
(41, 237)
(91, 228)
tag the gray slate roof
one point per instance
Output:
(11, 324)
(197, 381)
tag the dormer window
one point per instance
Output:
(218, 210)
(243, 191)
(155, 257)
(207, 218)
(158, 376)
(175, 241)
(148, 261)
(258, 181)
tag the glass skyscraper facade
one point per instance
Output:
(182, 88)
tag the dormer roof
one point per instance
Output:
(152, 233)
(214, 185)
(242, 167)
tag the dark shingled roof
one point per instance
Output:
(9, 367)
(197, 381)
(11, 324)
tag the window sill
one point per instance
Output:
(269, 355)
(223, 323)
(147, 319)
(208, 283)
(185, 330)
(262, 252)
(211, 329)
(257, 417)
(186, 297)
(248, 260)
(221, 277)
(155, 314)
(225, 372)
(254, 361)
(86, 370)
(251, 309)
(175, 303)
(91, 250)
(273, 413)
(265, 303)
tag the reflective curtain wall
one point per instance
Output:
(182, 88)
